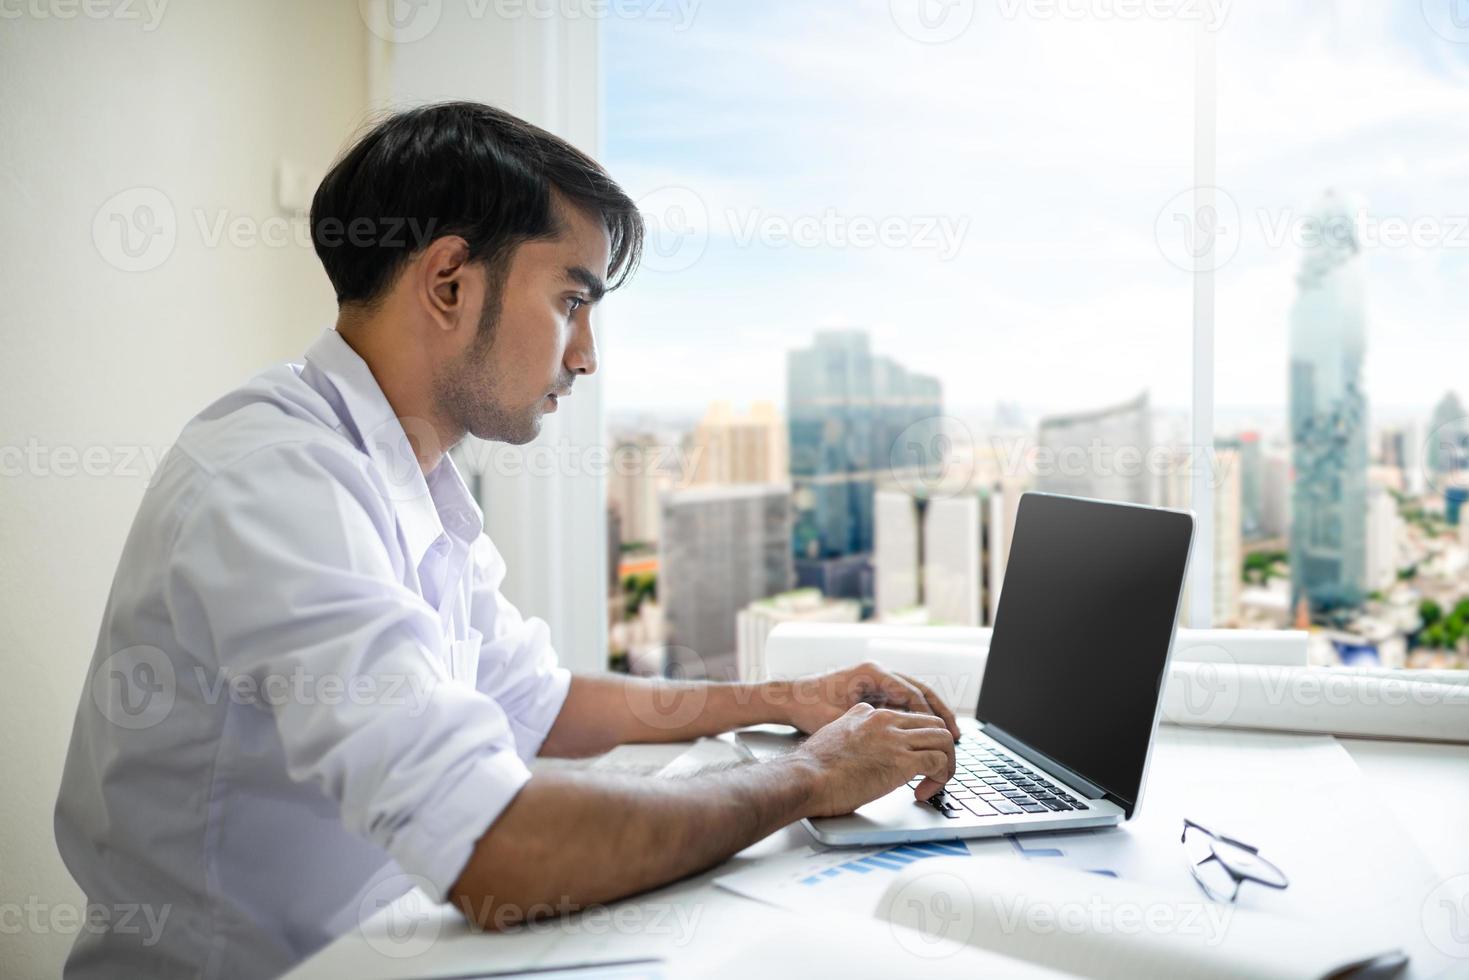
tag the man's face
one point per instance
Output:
(534, 336)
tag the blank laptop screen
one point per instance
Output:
(1086, 617)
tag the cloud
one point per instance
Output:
(1057, 143)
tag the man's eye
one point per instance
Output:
(575, 303)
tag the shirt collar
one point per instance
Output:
(427, 509)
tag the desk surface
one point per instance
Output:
(693, 923)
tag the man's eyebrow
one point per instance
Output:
(595, 287)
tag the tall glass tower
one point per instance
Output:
(1328, 414)
(852, 417)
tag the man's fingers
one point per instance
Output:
(936, 768)
(935, 704)
(915, 719)
(930, 740)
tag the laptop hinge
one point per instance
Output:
(1091, 789)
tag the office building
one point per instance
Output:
(731, 448)
(1276, 498)
(724, 547)
(1328, 417)
(897, 552)
(938, 554)
(1447, 449)
(1383, 528)
(854, 418)
(1228, 543)
(1098, 453)
(756, 620)
(1251, 462)
(1229, 551)
(636, 479)
(841, 577)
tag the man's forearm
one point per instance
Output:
(572, 839)
(604, 711)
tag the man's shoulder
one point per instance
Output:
(272, 427)
(276, 408)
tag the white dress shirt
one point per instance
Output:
(308, 694)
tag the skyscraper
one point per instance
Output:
(1228, 545)
(1229, 549)
(1251, 462)
(1098, 454)
(1383, 525)
(938, 554)
(1448, 439)
(634, 482)
(732, 448)
(1328, 415)
(722, 548)
(757, 619)
(854, 417)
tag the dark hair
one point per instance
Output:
(457, 168)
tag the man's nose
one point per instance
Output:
(581, 355)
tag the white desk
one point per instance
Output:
(698, 928)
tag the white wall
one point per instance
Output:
(200, 108)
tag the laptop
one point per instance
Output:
(1072, 688)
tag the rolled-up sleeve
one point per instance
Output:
(289, 561)
(518, 667)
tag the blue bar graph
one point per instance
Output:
(890, 859)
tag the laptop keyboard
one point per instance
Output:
(988, 782)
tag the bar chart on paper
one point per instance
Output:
(843, 879)
(889, 860)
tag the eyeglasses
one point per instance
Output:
(1218, 862)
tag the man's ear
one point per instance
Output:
(443, 279)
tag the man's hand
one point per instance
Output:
(819, 700)
(868, 752)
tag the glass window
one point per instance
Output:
(1342, 171)
(901, 269)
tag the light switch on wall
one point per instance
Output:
(294, 186)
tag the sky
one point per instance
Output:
(1001, 208)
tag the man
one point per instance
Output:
(307, 684)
